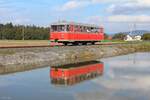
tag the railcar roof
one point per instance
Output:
(74, 23)
(78, 64)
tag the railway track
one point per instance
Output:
(40, 46)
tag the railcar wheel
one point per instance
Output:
(84, 43)
(75, 43)
(93, 43)
(80, 44)
(65, 44)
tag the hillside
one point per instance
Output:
(137, 32)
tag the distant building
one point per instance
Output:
(138, 38)
(128, 38)
(133, 38)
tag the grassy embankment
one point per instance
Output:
(5, 43)
(143, 46)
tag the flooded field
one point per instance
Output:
(120, 78)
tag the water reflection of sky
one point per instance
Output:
(125, 78)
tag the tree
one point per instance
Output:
(119, 36)
(106, 36)
(146, 36)
(15, 32)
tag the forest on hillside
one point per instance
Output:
(20, 32)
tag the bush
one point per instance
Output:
(119, 36)
(146, 36)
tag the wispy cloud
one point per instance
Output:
(113, 6)
(73, 4)
(130, 7)
(129, 18)
(118, 10)
(9, 12)
(119, 18)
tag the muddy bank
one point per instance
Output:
(13, 60)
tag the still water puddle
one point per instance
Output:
(117, 78)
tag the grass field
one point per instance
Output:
(5, 43)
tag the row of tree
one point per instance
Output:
(19, 32)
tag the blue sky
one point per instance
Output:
(114, 15)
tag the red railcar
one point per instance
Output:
(75, 33)
(71, 74)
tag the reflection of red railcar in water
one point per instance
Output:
(71, 74)
(75, 33)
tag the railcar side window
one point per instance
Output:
(75, 28)
(67, 28)
(58, 28)
(61, 28)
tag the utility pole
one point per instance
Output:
(50, 29)
(135, 27)
(0, 34)
(23, 31)
(132, 29)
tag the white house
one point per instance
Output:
(128, 38)
(133, 38)
(137, 38)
